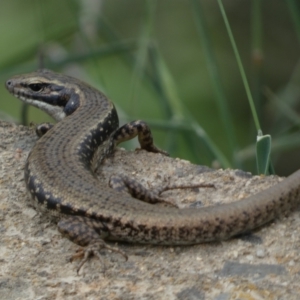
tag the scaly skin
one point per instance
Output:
(59, 175)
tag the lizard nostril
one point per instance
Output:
(8, 84)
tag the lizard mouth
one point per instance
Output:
(17, 92)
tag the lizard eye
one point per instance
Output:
(36, 87)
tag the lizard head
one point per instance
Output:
(46, 90)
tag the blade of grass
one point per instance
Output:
(165, 104)
(279, 144)
(150, 78)
(283, 107)
(295, 15)
(257, 53)
(181, 113)
(263, 151)
(215, 76)
(143, 45)
(240, 65)
(264, 158)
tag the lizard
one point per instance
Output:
(60, 176)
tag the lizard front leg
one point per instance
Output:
(43, 128)
(142, 130)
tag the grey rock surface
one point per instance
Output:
(34, 256)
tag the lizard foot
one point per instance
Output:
(88, 233)
(93, 249)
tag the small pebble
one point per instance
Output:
(260, 253)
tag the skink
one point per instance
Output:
(59, 176)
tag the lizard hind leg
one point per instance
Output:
(87, 233)
(123, 183)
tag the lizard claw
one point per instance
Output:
(93, 249)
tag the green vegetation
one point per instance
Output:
(171, 63)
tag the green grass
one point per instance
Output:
(171, 63)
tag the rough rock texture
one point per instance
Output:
(33, 255)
